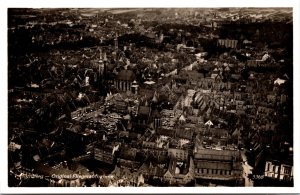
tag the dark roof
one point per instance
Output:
(104, 147)
(133, 135)
(127, 154)
(216, 131)
(173, 164)
(126, 75)
(278, 158)
(185, 133)
(223, 155)
(79, 168)
(236, 76)
(148, 93)
(156, 114)
(144, 110)
(158, 159)
(167, 132)
(74, 128)
(214, 165)
(157, 171)
(110, 66)
(193, 75)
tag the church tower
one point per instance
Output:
(116, 45)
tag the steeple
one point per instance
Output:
(155, 98)
(100, 55)
(116, 42)
(104, 57)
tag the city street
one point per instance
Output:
(247, 169)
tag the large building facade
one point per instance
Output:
(218, 165)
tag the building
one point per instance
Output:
(218, 165)
(178, 153)
(227, 43)
(124, 177)
(184, 132)
(124, 80)
(116, 103)
(279, 171)
(128, 158)
(254, 63)
(143, 115)
(105, 153)
(180, 172)
(151, 38)
(135, 87)
(156, 119)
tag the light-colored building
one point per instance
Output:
(217, 164)
(277, 170)
(228, 43)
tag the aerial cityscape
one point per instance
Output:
(145, 97)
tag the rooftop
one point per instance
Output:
(223, 155)
(126, 75)
(144, 110)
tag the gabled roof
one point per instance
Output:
(227, 68)
(182, 118)
(155, 97)
(279, 81)
(209, 123)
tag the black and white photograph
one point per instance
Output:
(102, 97)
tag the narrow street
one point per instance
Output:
(247, 169)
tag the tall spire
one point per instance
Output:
(116, 42)
(104, 56)
(155, 98)
(100, 53)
